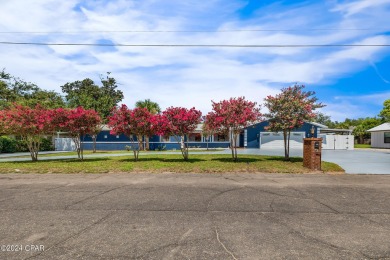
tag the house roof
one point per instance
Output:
(382, 127)
(318, 124)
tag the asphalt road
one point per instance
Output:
(194, 216)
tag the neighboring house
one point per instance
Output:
(258, 137)
(254, 136)
(380, 136)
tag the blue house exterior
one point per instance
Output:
(254, 132)
(106, 141)
(251, 137)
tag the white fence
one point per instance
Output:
(337, 142)
(64, 144)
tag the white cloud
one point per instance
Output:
(189, 76)
(356, 7)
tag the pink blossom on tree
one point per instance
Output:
(31, 124)
(78, 123)
(289, 110)
(178, 122)
(136, 122)
(230, 117)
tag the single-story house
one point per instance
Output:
(380, 136)
(254, 136)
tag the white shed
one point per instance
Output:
(380, 136)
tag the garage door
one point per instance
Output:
(274, 140)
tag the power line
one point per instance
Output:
(198, 45)
(196, 31)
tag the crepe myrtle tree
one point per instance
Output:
(135, 122)
(178, 122)
(154, 109)
(289, 110)
(230, 117)
(78, 122)
(31, 124)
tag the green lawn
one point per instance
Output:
(159, 163)
(362, 146)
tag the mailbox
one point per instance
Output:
(312, 153)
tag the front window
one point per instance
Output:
(195, 137)
(387, 137)
(165, 138)
(221, 138)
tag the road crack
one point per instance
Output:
(224, 247)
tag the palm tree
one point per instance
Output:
(153, 108)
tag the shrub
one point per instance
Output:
(11, 145)
(8, 145)
(46, 144)
(21, 146)
(161, 148)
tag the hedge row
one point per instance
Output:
(11, 145)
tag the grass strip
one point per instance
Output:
(174, 163)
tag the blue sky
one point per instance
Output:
(352, 81)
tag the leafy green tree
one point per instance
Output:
(324, 119)
(87, 94)
(153, 108)
(385, 112)
(362, 125)
(15, 90)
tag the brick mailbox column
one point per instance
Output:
(312, 153)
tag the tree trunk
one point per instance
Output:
(76, 140)
(231, 145)
(147, 146)
(136, 155)
(288, 144)
(184, 147)
(286, 148)
(234, 146)
(140, 143)
(136, 151)
(33, 146)
(94, 143)
(82, 148)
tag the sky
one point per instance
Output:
(351, 81)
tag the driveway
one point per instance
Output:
(194, 216)
(360, 161)
(364, 161)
